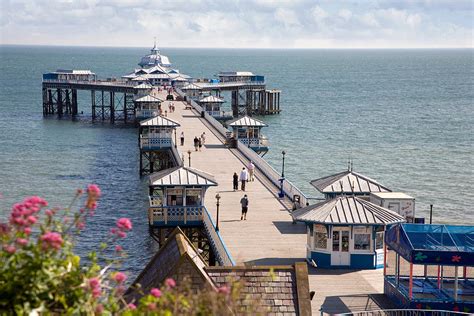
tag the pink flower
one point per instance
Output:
(121, 234)
(51, 240)
(132, 306)
(92, 206)
(27, 230)
(94, 282)
(31, 219)
(118, 248)
(124, 224)
(22, 241)
(151, 306)
(80, 225)
(224, 290)
(113, 231)
(120, 277)
(170, 282)
(9, 249)
(155, 292)
(94, 190)
(49, 213)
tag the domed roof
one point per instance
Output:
(155, 58)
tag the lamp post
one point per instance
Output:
(281, 194)
(175, 139)
(218, 197)
(189, 157)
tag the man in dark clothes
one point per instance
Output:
(235, 179)
(245, 204)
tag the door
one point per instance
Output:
(340, 247)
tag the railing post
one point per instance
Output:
(165, 215)
(185, 214)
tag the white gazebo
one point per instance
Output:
(147, 106)
(212, 105)
(247, 130)
(157, 133)
(177, 196)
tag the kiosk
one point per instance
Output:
(346, 232)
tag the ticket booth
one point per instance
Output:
(346, 232)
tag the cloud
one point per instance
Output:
(239, 23)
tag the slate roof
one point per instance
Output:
(148, 98)
(191, 86)
(349, 182)
(347, 210)
(177, 259)
(246, 121)
(181, 176)
(277, 290)
(143, 86)
(159, 121)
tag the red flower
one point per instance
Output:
(124, 224)
(170, 283)
(51, 240)
(155, 292)
(120, 277)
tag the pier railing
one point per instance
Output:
(402, 312)
(145, 113)
(261, 164)
(217, 243)
(254, 142)
(174, 215)
(93, 82)
(152, 142)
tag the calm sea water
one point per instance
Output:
(404, 116)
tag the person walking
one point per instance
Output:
(203, 137)
(182, 138)
(251, 168)
(244, 176)
(200, 143)
(196, 143)
(235, 179)
(245, 206)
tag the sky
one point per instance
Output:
(239, 23)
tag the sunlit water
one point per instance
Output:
(404, 116)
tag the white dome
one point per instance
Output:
(155, 58)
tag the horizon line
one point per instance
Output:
(268, 48)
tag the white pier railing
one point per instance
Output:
(254, 142)
(175, 215)
(153, 142)
(217, 243)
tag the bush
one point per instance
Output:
(41, 274)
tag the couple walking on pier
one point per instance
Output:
(198, 142)
(245, 176)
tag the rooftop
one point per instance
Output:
(347, 210)
(149, 98)
(159, 121)
(246, 121)
(211, 99)
(181, 176)
(349, 182)
(392, 195)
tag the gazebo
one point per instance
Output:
(143, 89)
(212, 105)
(430, 267)
(192, 90)
(247, 130)
(346, 232)
(177, 196)
(347, 182)
(157, 132)
(147, 106)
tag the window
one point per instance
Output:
(193, 197)
(361, 241)
(379, 240)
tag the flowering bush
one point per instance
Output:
(41, 274)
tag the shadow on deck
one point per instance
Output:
(352, 303)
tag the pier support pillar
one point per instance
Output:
(74, 102)
(93, 104)
(112, 107)
(59, 100)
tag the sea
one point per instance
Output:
(404, 117)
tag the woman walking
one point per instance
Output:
(235, 182)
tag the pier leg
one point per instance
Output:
(68, 102)
(59, 101)
(74, 102)
(50, 102)
(112, 107)
(45, 101)
(103, 106)
(93, 104)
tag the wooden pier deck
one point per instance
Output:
(268, 236)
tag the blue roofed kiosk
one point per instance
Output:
(177, 197)
(346, 232)
(430, 267)
(247, 130)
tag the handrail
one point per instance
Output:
(401, 312)
(182, 214)
(158, 142)
(223, 255)
(288, 188)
